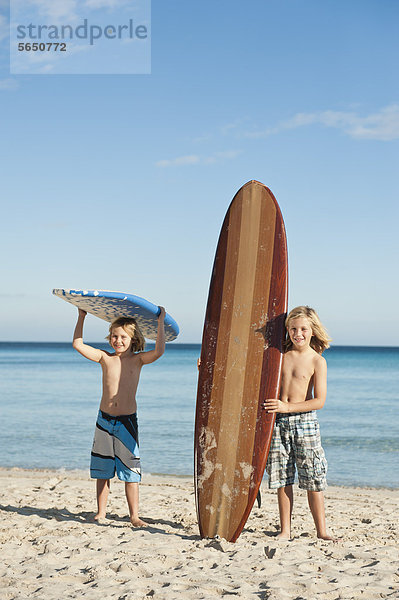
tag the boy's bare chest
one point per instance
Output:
(121, 369)
(300, 372)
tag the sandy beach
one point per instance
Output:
(51, 550)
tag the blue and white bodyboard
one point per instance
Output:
(111, 305)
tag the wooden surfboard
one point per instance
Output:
(241, 359)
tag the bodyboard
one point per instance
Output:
(109, 306)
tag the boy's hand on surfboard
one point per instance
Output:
(161, 315)
(273, 405)
(82, 313)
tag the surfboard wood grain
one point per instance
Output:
(241, 360)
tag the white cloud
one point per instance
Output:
(66, 10)
(194, 159)
(4, 28)
(205, 137)
(382, 125)
(97, 4)
(191, 159)
(60, 10)
(221, 156)
(9, 84)
(233, 126)
(262, 133)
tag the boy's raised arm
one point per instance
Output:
(152, 355)
(85, 350)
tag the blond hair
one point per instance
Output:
(132, 329)
(320, 340)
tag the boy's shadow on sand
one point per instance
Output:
(59, 514)
(84, 517)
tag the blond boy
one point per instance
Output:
(115, 446)
(296, 439)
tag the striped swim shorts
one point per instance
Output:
(296, 443)
(116, 448)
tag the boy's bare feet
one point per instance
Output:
(99, 518)
(327, 538)
(283, 536)
(136, 522)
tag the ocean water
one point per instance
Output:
(49, 397)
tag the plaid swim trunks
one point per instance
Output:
(296, 443)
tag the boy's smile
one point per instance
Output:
(120, 341)
(300, 332)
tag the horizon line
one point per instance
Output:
(174, 343)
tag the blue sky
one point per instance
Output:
(96, 36)
(121, 182)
